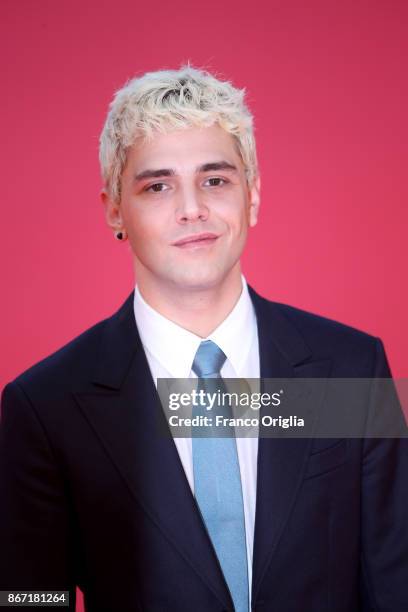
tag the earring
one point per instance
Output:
(120, 235)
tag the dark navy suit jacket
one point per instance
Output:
(92, 496)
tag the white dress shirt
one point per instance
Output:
(170, 351)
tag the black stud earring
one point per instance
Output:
(119, 235)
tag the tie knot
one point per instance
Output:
(208, 360)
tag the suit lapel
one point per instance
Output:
(123, 408)
(281, 461)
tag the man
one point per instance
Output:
(93, 496)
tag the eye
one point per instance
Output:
(216, 181)
(157, 187)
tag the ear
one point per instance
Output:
(254, 201)
(113, 212)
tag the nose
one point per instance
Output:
(190, 206)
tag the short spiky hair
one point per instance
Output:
(168, 100)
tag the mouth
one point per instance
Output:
(196, 241)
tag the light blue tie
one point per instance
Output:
(217, 484)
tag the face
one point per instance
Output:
(186, 208)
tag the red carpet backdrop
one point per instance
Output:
(327, 82)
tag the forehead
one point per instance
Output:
(184, 148)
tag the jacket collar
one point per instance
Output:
(121, 341)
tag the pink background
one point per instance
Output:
(327, 82)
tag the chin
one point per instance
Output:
(196, 278)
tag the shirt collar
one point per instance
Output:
(175, 347)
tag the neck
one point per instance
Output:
(199, 310)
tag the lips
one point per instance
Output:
(196, 240)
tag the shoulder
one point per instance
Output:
(351, 350)
(65, 368)
(317, 328)
(74, 363)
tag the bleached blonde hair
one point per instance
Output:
(168, 100)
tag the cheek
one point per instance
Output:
(240, 218)
(234, 212)
(148, 234)
(140, 223)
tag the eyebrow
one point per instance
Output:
(208, 167)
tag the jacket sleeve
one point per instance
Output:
(35, 549)
(384, 515)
